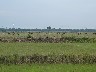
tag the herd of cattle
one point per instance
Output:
(46, 38)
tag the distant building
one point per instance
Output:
(19, 28)
(53, 28)
(49, 27)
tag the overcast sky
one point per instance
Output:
(42, 13)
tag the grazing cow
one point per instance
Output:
(18, 34)
(64, 33)
(85, 33)
(31, 33)
(8, 32)
(79, 33)
(94, 33)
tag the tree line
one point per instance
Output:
(46, 30)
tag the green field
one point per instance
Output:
(45, 37)
(47, 48)
(43, 34)
(48, 68)
(8, 52)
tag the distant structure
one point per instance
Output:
(13, 25)
(49, 28)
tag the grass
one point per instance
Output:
(43, 34)
(48, 68)
(47, 48)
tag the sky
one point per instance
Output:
(73, 14)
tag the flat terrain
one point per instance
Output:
(46, 34)
(47, 48)
(48, 68)
(41, 48)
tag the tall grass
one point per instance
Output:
(49, 59)
(75, 53)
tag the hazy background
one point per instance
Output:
(43, 13)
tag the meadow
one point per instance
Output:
(48, 37)
(47, 52)
(47, 48)
(48, 68)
